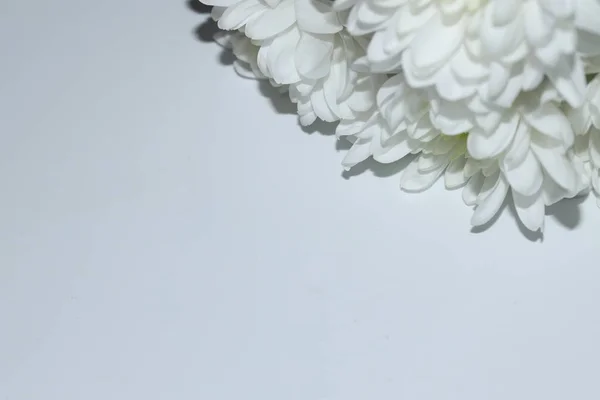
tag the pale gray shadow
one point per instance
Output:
(320, 127)
(198, 7)
(205, 32)
(532, 236)
(567, 212)
(280, 101)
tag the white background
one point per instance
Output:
(165, 234)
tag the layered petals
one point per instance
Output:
(494, 49)
(496, 98)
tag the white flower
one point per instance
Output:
(302, 44)
(491, 95)
(493, 48)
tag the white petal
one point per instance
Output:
(560, 9)
(530, 210)
(360, 151)
(552, 193)
(238, 15)
(569, 80)
(557, 166)
(519, 148)
(499, 76)
(538, 28)
(313, 55)
(552, 122)
(471, 189)
(489, 145)
(533, 75)
(362, 98)
(276, 58)
(454, 177)
(320, 106)
(491, 203)
(472, 167)
(587, 16)
(415, 181)
(393, 152)
(316, 17)
(527, 177)
(595, 147)
(505, 12)
(431, 162)
(272, 22)
(434, 45)
(349, 127)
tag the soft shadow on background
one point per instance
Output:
(567, 212)
(198, 7)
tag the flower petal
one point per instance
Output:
(496, 189)
(313, 55)
(271, 22)
(454, 176)
(415, 181)
(472, 188)
(315, 16)
(530, 210)
(527, 177)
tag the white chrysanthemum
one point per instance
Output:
(302, 44)
(489, 94)
(492, 48)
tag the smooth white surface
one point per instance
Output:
(164, 234)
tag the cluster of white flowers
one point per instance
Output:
(497, 96)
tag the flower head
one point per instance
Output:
(489, 95)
